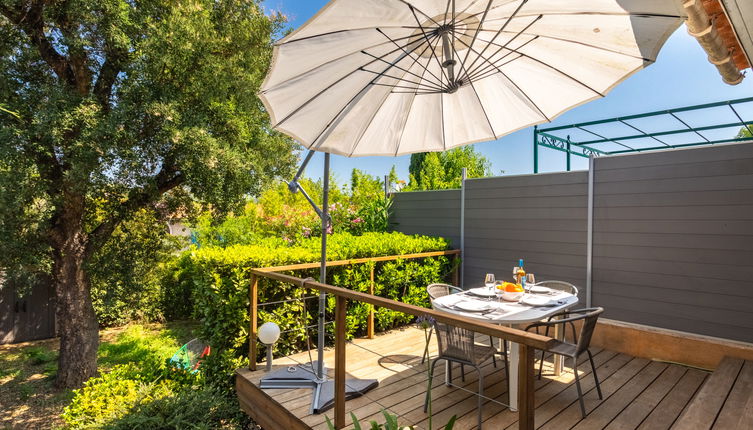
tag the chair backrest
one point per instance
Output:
(455, 342)
(589, 317)
(439, 290)
(560, 286)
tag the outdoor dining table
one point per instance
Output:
(509, 313)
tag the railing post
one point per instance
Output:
(526, 403)
(370, 320)
(252, 300)
(340, 308)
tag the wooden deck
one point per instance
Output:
(638, 393)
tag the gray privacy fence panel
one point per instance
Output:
(540, 218)
(431, 213)
(673, 234)
(673, 239)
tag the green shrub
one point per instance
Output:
(113, 394)
(216, 281)
(187, 408)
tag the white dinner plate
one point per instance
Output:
(483, 292)
(473, 306)
(537, 300)
(540, 290)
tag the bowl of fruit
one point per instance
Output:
(510, 292)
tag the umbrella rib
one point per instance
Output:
(426, 37)
(473, 87)
(505, 46)
(337, 82)
(483, 70)
(475, 35)
(343, 56)
(416, 59)
(358, 94)
(418, 88)
(434, 87)
(512, 82)
(413, 8)
(502, 28)
(376, 111)
(577, 42)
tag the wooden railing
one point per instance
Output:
(528, 342)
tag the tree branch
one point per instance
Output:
(31, 21)
(167, 179)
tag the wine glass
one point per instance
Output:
(489, 280)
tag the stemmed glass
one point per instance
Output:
(489, 280)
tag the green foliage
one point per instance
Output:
(390, 423)
(217, 283)
(138, 344)
(290, 218)
(444, 170)
(121, 106)
(39, 355)
(745, 132)
(201, 408)
(125, 272)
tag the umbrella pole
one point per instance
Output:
(314, 375)
(323, 268)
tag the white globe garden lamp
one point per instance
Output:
(269, 333)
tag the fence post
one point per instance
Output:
(370, 320)
(340, 308)
(252, 300)
(526, 404)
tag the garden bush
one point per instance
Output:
(216, 282)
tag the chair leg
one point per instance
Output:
(577, 385)
(593, 370)
(507, 361)
(541, 364)
(480, 394)
(494, 359)
(426, 348)
(448, 378)
(462, 373)
(428, 388)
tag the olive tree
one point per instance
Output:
(113, 106)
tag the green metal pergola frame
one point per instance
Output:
(547, 137)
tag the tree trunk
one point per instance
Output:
(76, 319)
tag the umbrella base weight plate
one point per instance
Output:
(302, 376)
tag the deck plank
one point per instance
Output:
(635, 389)
(670, 407)
(705, 406)
(739, 396)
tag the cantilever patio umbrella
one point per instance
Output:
(393, 77)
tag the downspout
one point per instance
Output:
(701, 27)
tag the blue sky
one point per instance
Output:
(681, 76)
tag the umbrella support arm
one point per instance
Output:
(294, 186)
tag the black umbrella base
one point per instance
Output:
(303, 376)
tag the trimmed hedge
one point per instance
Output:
(214, 284)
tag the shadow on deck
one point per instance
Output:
(638, 393)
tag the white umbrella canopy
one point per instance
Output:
(393, 77)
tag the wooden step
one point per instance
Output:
(725, 401)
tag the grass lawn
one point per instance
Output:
(27, 370)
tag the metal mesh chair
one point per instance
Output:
(582, 340)
(560, 286)
(458, 345)
(440, 290)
